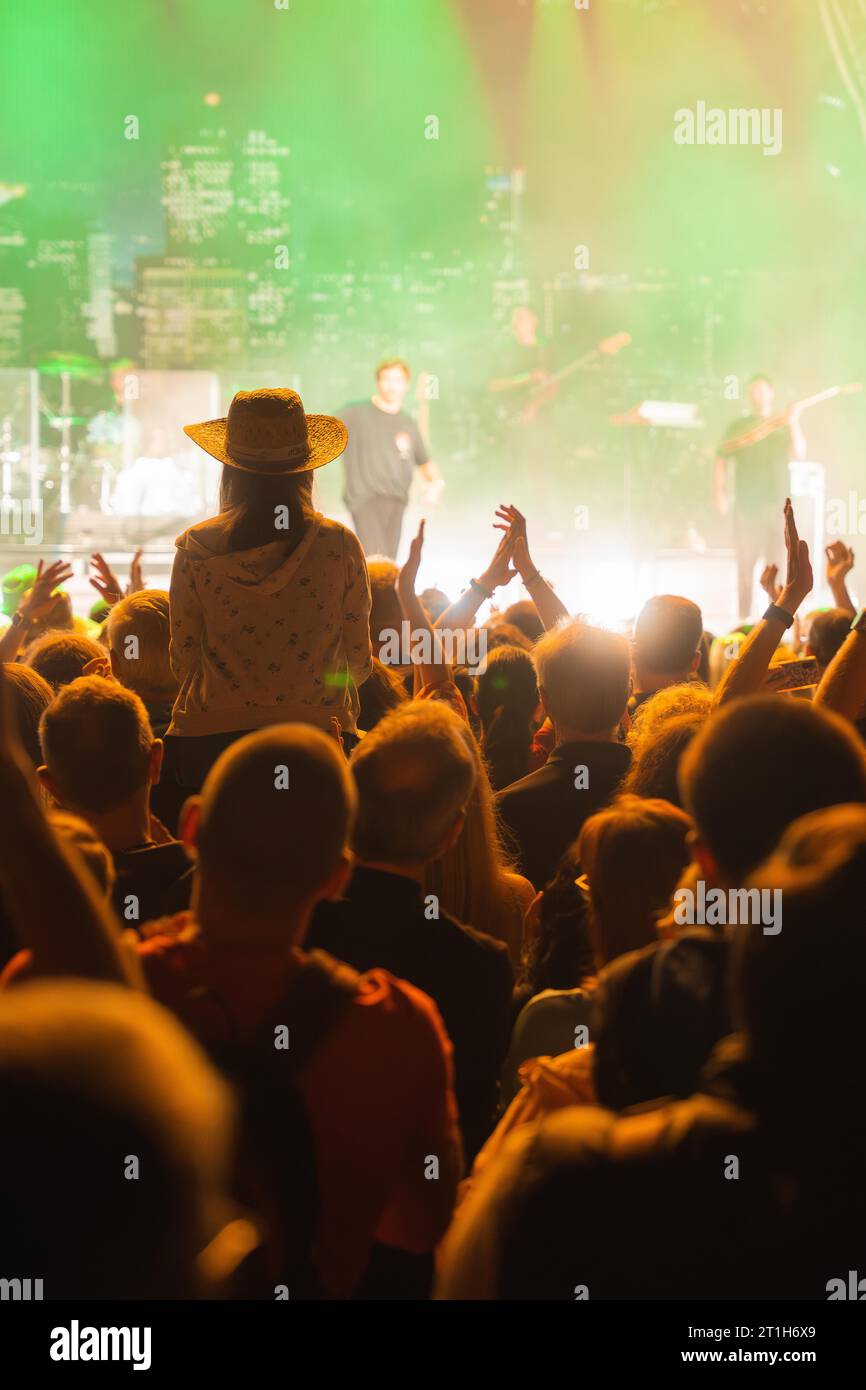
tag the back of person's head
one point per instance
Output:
(583, 676)
(434, 602)
(668, 635)
(29, 695)
(633, 853)
(684, 697)
(98, 746)
(386, 615)
(502, 634)
(559, 953)
(383, 690)
(139, 632)
(57, 618)
(757, 766)
(272, 825)
(506, 695)
(111, 1180)
(414, 775)
(262, 509)
(827, 632)
(798, 992)
(524, 615)
(654, 770)
(60, 657)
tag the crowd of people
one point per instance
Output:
(330, 977)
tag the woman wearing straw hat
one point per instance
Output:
(270, 601)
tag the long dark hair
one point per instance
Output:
(507, 695)
(264, 509)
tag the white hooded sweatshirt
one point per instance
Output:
(259, 638)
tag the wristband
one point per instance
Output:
(775, 611)
(473, 584)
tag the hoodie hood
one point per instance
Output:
(266, 568)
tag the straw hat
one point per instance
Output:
(268, 431)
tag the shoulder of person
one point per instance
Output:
(519, 887)
(399, 1000)
(213, 528)
(476, 944)
(333, 532)
(508, 796)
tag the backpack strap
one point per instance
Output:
(312, 1006)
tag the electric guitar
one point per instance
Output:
(608, 347)
(775, 422)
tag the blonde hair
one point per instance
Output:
(583, 673)
(469, 879)
(688, 697)
(143, 615)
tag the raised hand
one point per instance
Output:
(770, 582)
(840, 562)
(500, 571)
(105, 581)
(409, 572)
(136, 574)
(513, 523)
(41, 596)
(798, 577)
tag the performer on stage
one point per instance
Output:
(385, 447)
(761, 479)
(524, 363)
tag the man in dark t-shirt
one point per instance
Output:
(761, 484)
(384, 449)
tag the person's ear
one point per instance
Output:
(189, 824)
(702, 856)
(48, 782)
(338, 878)
(157, 748)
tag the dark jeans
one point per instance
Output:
(378, 524)
(185, 765)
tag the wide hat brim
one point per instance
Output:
(327, 439)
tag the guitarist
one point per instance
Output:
(761, 478)
(525, 364)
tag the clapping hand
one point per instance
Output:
(840, 562)
(513, 523)
(770, 582)
(105, 581)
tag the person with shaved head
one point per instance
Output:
(366, 1055)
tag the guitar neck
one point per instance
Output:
(576, 365)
